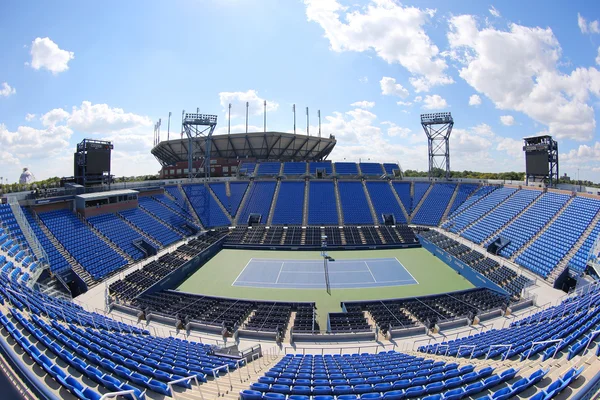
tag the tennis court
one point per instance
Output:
(310, 274)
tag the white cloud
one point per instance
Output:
(525, 76)
(46, 54)
(585, 27)
(474, 100)
(435, 102)
(29, 117)
(507, 120)
(394, 32)
(494, 12)
(6, 90)
(418, 99)
(53, 117)
(598, 57)
(238, 103)
(512, 147)
(404, 103)
(240, 128)
(102, 119)
(389, 87)
(395, 130)
(364, 79)
(363, 104)
(30, 143)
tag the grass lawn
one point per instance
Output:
(215, 278)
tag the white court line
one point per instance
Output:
(321, 272)
(372, 276)
(280, 268)
(406, 269)
(241, 272)
(346, 285)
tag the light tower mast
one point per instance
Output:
(195, 126)
(438, 127)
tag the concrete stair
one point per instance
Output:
(487, 213)
(501, 229)
(305, 204)
(445, 215)
(273, 202)
(371, 207)
(75, 266)
(106, 240)
(243, 203)
(416, 209)
(564, 263)
(338, 203)
(542, 230)
(400, 202)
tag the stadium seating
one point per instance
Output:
(87, 248)
(169, 217)
(501, 216)
(183, 205)
(420, 188)
(58, 263)
(403, 191)
(206, 206)
(480, 208)
(354, 203)
(117, 230)
(149, 225)
(268, 169)
(434, 205)
(372, 169)
(314, 166)
(236, 190)
(544, 254)
(531, 221)
(390, 167)
(258, 201)
(290, 203)
(464, 191)
(346, 168)
(578, 261)
(384, 201)
(294, 168)
(322, 208)
(477, 195)
(247, 168)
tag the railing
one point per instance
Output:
(499, 345)
(34, 243)
(339, 350)
(122, 393)
(186, 380)
(466, 346)
(214, 372)
(592, 337)
(543, 342)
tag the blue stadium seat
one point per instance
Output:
(435, 204)
(322, 209)
(290, 203)
(355, 207)
(258, 201)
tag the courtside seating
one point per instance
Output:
(268, 168)
(500, 216)
(290, 203)
(373, 169)
(236, 189)
(322, 209)
(147, 224)
(294, 168)
(314, 166)
(544, 254)
(390, 167)
(206, 206)
(354, 203)
(420, 189)
(464, 191)
(531, 221)
(435, 204)
(259, 201)
(384, 201)
(169, 217)
(403, 191)
(84, 245)
(58, 263)
(480, 208)
(119, 233)
(346, 168)
(578, 261)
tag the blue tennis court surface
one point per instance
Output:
(310, 274)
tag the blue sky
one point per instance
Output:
(109, 70)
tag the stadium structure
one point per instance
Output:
(288, 276)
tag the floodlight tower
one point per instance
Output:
(197, 126)
(438, 127)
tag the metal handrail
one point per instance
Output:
(187, 380)
(217, 378)
(466, 346)
(542, 342)
(499, 345)
(120, 393)
(339, 350)
(592, 337)
(437, 347)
